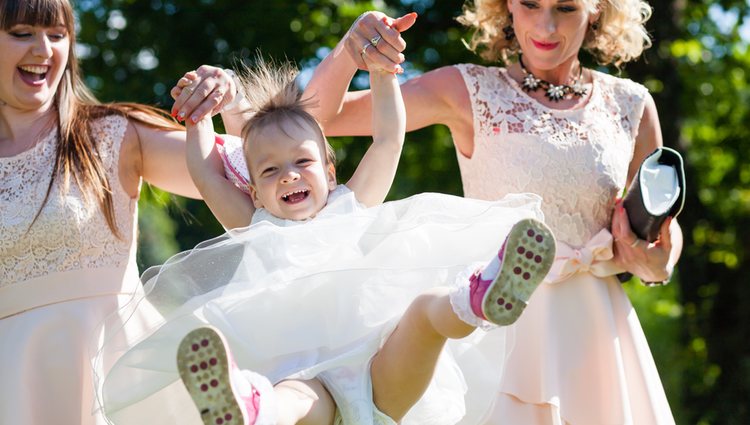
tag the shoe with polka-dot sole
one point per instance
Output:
(525, 258)
(206, 369)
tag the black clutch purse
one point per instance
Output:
(656, 192)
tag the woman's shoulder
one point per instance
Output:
(475, 70)
(620, 86)
(623, 97)
(108, 131)
(484, 81)
(109, 125)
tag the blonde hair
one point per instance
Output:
(76, 155)
(620, 37)
(275, 98)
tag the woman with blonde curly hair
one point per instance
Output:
(545, 124)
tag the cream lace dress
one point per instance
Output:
(59, 279)
(580, 356)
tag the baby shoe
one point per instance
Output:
(499, 293)
(223, 394)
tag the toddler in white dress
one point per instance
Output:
(340, 304)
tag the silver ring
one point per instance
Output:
(364, 49)
(375, 40)
(189, 89)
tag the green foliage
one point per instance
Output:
(711, 62)
(697, 71)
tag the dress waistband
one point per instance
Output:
(67, 286)
(595, 257)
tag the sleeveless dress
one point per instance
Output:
(317, 299)
(59, 279)
(580, 355)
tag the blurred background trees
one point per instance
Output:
(697, 71)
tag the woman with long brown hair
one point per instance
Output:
(70, 175)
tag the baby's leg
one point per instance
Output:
(226, 395)
(304, 403)
(403, 368)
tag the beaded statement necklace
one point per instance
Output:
(554, 92)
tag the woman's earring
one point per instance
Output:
(595, 25)
(508, 30)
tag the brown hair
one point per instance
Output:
(76, 155)
(274, 97)
(620, 37)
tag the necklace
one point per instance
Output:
(554, 92)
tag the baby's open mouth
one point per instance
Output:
(33, 73)
(296, 196)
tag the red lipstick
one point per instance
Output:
(544, 46)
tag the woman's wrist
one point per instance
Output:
(669, 270)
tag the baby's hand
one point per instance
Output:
(203, 92)
(203, 126)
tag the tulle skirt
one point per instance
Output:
(317, 300)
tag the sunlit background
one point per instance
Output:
(698, 327)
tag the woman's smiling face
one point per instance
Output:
(550, 32)
(33, 62)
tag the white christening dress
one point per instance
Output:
(317, 299)
(580, 356)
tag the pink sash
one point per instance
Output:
(595, 257)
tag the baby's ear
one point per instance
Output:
(254, 196)
(331, 177)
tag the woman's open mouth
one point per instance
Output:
(33, 74)
(295, 196)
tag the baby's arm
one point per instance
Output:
(230, 205)
(374, 175)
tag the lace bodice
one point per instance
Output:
(68, 234)
(577, 160)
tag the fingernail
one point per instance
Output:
(194, 119)
(181, 116)
(399, 70)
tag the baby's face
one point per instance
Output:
(290, 177)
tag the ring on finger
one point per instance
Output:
(634, 243)
(364, 49)
(375, 40)
(189, 89)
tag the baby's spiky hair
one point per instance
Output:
(275, 98)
